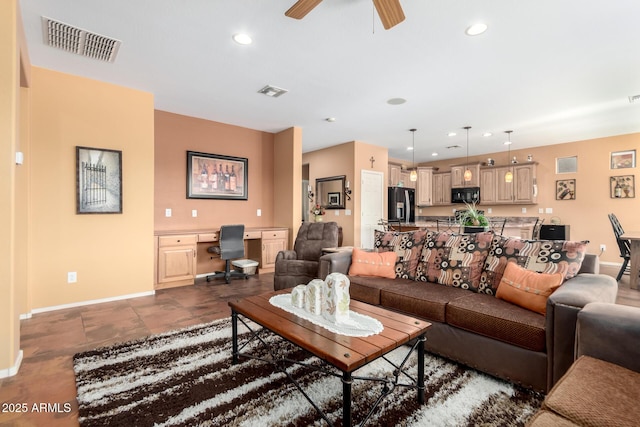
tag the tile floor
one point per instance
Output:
(49, 340)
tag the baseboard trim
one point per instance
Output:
(12, 370)
(613, 264)
(95, 301)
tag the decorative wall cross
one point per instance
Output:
(372, 160)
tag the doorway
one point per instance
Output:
(372, 205)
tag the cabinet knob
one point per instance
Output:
(178, 240)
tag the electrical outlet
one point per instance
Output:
(72, 277)
(524, 210)
(603, 247)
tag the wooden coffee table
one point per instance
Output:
(344, 353)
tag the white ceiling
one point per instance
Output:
(553, 71)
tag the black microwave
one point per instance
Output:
(465, 195)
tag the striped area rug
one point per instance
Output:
(185, 378)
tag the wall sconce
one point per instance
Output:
(347, 190)
(310, 194)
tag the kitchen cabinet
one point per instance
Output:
(522, 190)
(394, 174)
(424, 187)
(442, 188)
(457, 176)
(405, 179)
(272, 243)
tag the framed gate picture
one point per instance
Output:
(214, 176)
(98, 181)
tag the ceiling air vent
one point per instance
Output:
(272, 91)
(76, 40)
(634, 98)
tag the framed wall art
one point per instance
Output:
(566, 189)
(98, 181)
(623, 159)
(334, 199)
(622, 187)
(214, 176)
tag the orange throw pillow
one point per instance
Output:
(378, 264)
(526, 288)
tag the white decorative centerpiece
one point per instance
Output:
(313, 296)
(335, 298)
(299, 296)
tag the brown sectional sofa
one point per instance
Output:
(471, 325)
(602, 387)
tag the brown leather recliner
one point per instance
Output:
(300, 265)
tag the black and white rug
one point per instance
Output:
(185, 378)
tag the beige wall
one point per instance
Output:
(287, 170)
(587, 215)
(9, 135)
(346, 159)
(112, 253)
(174, 136)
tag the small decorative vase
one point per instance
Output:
(313, 296)
(298, 296)
(336, 299)
(318, 218)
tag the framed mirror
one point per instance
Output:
(330, 192)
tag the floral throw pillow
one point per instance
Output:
(454, 259)
(406, 244)
(541, 256)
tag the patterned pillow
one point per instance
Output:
(454, 259)
(406, 244)
(541, 256)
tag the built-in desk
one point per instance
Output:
(181, 256)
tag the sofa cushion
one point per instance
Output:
(407, 245)
(597, 393)
(426, 300)
(542, 256)
(527, 289)
(454, 259)
(498, 319)
(544, 418)
(377, 264)
(367, 289)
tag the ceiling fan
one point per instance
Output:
(389, 11)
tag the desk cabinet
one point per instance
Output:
(176, 260)
(272, 243)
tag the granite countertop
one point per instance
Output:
(512, 221)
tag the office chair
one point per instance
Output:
(623, 244)
(231, 246)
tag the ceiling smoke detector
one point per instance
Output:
(634, 98)
(272, 91)
(79, 41)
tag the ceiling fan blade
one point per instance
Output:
(390, 12)
(301, 8)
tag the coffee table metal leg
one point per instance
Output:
(346, 398)
(422, 339)
(234, 333)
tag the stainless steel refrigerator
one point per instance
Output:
(401, 202)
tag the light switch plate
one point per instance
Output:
(337, 213)
(347, 212)
(524, 210)
(194, 213)
(259, 212)
(167, 212)
(548, 210)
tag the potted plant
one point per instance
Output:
(472, 220)
(317, 211)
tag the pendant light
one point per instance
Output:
(508, 177)
(467, 172)
(413, 176)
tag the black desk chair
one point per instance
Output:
(623, 244)
(231, 247)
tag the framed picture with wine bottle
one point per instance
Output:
(566, 189)
(215, 176)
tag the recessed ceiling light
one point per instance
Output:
(409, 148)
(242, 38)
(451, 134)
(330, 119)
(507, 143)
(487, 134)
(396, 101)
(434, 154)
(476, 29)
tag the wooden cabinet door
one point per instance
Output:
(504, 190)
(424, 189)
(270, 249)
(457, 176)
(394, 175)
(524, 180)
(176, 263)
(442, 188)
(487, 186)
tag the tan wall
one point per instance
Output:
(287, 172)
(112, 253)
(9, 120)
(346, 159)
(174, 136)
(587, 215)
